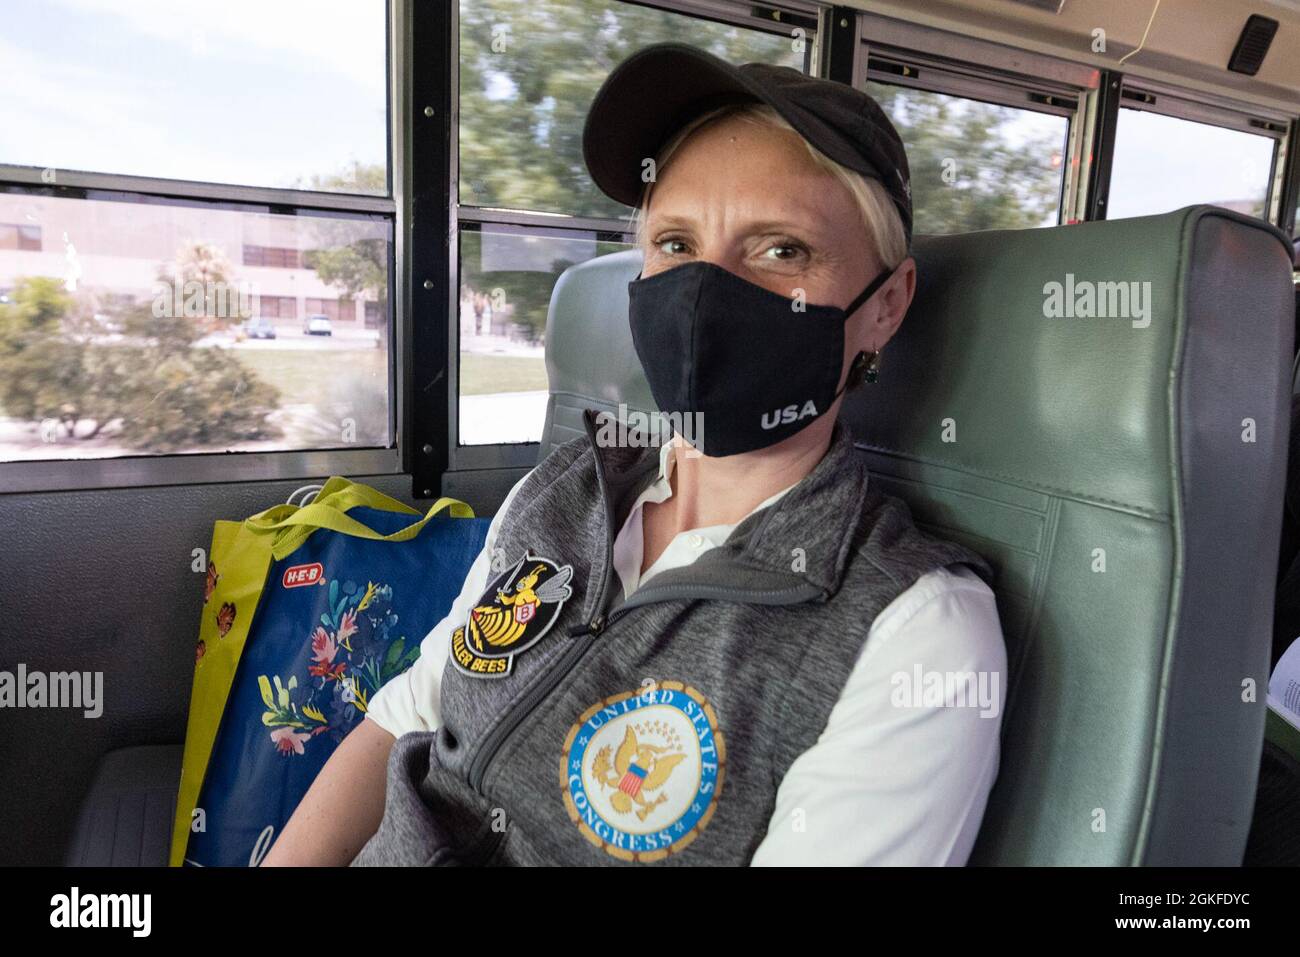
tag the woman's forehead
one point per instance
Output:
(743, 144)
(748, 173)
(819, 203)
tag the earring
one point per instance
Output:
(872, 368)
(862, 369)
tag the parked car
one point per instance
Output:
(317, 326)
(259, 328)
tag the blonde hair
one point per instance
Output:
(879, 215)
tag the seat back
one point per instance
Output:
(1123, 475)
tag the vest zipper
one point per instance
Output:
(478, 767)
(585, 633)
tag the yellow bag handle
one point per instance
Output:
(291, 525)
(292, 530)
(345, 494)
(340, 492)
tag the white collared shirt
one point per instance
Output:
(884, 784)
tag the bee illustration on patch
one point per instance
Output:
(210, 585)
(516, 609)
(225, 619)
(636, 771)
(503, 624)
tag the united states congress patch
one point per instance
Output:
(642, 771)
(514, 612)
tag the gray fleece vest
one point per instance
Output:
(654, 729)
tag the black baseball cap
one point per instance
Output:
(660, 88)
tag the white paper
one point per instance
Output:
(1284, 686)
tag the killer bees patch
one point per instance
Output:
(641, 772)
(514, 612)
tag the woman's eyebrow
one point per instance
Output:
(770, 225)
(668, 221)
(782, 225)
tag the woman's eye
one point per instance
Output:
(672, 247)
(783, 251)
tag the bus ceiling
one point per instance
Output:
(1245, 49)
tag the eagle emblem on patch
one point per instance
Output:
(516, 610)
(641, 772)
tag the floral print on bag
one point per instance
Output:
(354, 650)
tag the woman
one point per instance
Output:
(702, 653)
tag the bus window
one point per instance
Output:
(1166, 162)
(528, 71)
(527, 78)
(977, 165)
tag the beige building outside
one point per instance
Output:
(118, 248)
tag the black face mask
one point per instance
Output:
(735, 366)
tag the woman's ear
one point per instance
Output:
(876, 322)
(894, 299)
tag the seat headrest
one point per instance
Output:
(590, 359)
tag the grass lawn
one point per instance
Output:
(301, 374)
(487, 374)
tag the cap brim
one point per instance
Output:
(647, 98)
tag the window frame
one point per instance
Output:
(939, 61)
(1289, 195)
(166, 469)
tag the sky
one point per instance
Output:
(252, 92)
(1163, 163)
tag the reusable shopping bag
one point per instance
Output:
(308, 611)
